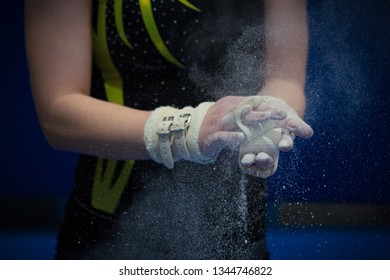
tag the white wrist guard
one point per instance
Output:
(172, 134)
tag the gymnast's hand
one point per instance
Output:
(259, 151)
(220, 129)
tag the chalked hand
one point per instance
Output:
(259, 151)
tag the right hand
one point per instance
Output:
(259, 152)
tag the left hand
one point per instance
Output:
(259, 152)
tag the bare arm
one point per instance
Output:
(59, 52)
(286, 51)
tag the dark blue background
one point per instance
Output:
(348, 90)
(31, 166)
(348, 95)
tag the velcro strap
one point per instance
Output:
(172, 134)
(165, 141)
(179, 129)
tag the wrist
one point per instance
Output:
(172, 134)
(293, 93)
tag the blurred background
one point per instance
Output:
(330, 198)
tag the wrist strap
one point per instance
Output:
(179, 129)
(165, 140)
(171, 134)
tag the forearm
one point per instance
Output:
(286, 47)
(83, 124)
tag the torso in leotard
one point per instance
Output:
(177, 53)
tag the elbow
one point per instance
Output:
(55, 124)
(54, 135)
(58, 118)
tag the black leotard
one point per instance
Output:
(178, 53)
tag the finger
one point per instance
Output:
(248, 160)
(257, 101)
(255, 117)
(287, 142)
(263, 107)
(264, 160)
(304, 131)
(245, 110)
(300, 128)
(278, 114)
